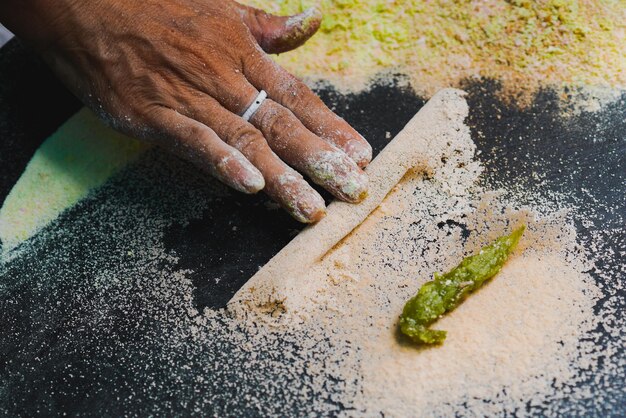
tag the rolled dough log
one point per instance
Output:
(280, 284)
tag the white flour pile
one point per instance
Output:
(510, 343)
(518, 344)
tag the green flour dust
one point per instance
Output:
(76, 159)
(524, 44)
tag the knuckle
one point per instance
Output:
(255, 62)
(195, 132)
(247, 139)
(276, 121)
(296, 95)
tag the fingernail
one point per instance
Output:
(298, 29)
(359, 151)
(340, 175)
(355, 187)
(305, 19)
(299, 199)
(310, 208)
(237, 172)
(252, 180)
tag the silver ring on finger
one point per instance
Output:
(254, 106)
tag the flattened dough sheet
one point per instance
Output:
(417, 147)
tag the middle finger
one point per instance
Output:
(322, 162)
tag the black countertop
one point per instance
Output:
(581, 157)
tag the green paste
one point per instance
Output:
(447, 291)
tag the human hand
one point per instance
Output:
(180, 73)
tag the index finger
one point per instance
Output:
(265, 74)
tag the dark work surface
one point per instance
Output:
(579, 159)
(32, 105)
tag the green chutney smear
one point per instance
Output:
(447, 291)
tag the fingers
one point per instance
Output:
(320, 161)
(294, 194)
(276, 34)
(293, 94)
(196, 142)
(283, 184)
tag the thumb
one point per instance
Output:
(276, 34)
